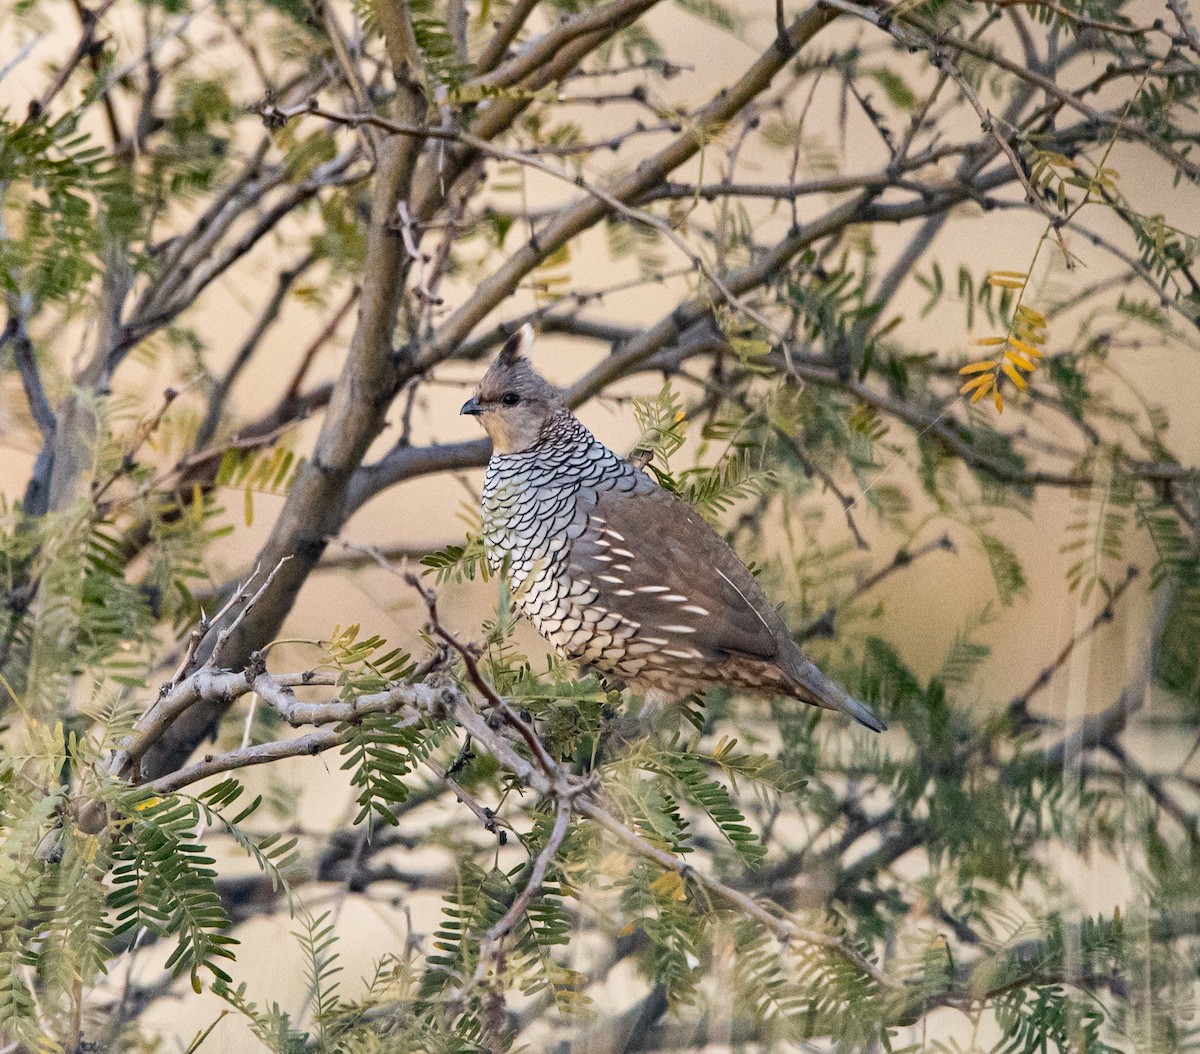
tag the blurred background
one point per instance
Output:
(921, 610)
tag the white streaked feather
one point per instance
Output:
(766, 625)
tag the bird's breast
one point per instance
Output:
(533, 511)
(527, 517)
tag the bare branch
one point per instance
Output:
(90, 19)
(537, 875)
(292, 392)
(246, 609)
(1184, 17)
(823, 625)
(267, 317)
(206, 265)
(537, 54)
(413, 702)
(31, 376)
(506, 32)
(812, 469)
(601, 195)
(1019, 706)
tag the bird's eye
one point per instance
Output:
(510, 398)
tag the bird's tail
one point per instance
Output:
(811, 686)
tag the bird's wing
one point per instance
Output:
(656, 562)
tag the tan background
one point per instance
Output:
(924, 607)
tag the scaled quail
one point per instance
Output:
(615, 571)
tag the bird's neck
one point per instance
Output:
(562, 428)
(565, 450)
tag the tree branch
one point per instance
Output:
(31, 376)
(585, 213)
(823, 625)
(85, 46)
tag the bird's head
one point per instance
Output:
(512, 402)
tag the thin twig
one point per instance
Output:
(487, 817)
(783, 929)
(490, 947)
(292, 394)
(822, 626)
(1156, 790)
(143, 432)
(266, 319)
(468, 656)
(181, 692)
(811, 468)
(205, 625)
(1184, 17)
(351, 74)
(229, 630)
(87, 40)
(31, 377)
(1056, 219)
(1019, 705)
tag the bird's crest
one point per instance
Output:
(516, 346)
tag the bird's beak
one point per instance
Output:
(471, 407)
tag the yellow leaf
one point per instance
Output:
(149, 803)
(1007, 279)
(1020, 360)
(1032, 316)
(989, 341)
(979, 367)
(747, 348)
(1010, 371)
(983, 383)
(983, 389)
(1028, 349)
(669, 884)
(998, 399)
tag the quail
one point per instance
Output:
(615, 571)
